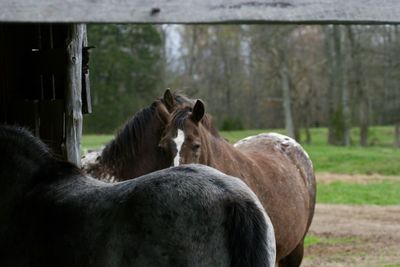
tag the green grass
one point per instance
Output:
(380, 157)
(383, 193)
(381, 136)
(355, 160)
(94, 141)
(312, 240)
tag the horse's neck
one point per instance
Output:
(223, 156)
(127, 160)
(19, 170)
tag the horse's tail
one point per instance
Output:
(250, 235)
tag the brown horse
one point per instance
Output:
(274, 166)
(53, 215)
(135, 151)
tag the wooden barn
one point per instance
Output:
(44, 81)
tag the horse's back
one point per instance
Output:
(273, 144)
(184, 216)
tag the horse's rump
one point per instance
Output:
(272, 144)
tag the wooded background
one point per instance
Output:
(251, 76)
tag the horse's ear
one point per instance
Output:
(169, 100)
(198, 111)
(163, 114)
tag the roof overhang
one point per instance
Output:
(201, 11)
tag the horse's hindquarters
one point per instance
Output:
(285, 183)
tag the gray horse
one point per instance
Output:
(53, 215)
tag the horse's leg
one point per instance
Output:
(294, 258)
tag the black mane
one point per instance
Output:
(125, 144)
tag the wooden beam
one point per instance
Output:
(73, 98)
(202, 11)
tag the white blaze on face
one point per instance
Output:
(179, 139)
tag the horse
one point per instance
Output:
(274, 166)
(134, 151)
(51, 214)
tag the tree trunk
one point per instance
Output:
(329, 50)
(364, 120)
(227, 71)
(337, 86)
(340, 115)
(360, 87)
(397, 135)
(308, 135)
(307, 123)
(343, 66)
(286, 99)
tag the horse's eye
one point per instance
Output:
(195, 146)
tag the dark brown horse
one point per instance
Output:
(274, 166)
(135, 151)
(53, 215)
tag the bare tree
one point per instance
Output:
(359, 84)
(338, 94)
(345, 90)
(281, 76)
(287, 103)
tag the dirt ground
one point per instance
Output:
(354, 235)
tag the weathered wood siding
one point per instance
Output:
(202, 11)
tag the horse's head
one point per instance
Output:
(135, 150)
(184, 135)
(165, 108)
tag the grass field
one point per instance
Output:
(382, 193)
(311, 240)
(380, 157)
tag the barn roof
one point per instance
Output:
(201, 11)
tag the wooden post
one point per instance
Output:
(73, 99)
